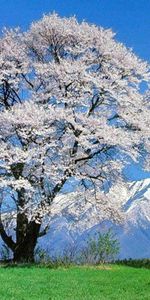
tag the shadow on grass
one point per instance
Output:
(49, 265)
(134, 263)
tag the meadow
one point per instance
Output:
(74, 283)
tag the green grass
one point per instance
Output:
(74, 283)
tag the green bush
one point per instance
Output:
(100, 249)
(59, 260)
(135, 263)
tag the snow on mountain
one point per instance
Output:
(133, 234)
(67, 231)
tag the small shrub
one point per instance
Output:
(101, 249)
(135, 263)
(41, 255)
(5, 253)
(59, 260)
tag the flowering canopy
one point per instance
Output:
(71, 107)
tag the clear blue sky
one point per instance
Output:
(130, 19)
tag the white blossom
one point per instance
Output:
(70, 107)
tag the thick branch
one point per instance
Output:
(91, 155)
(44, 231)
(6, 238)
(27, 81)
(97, 100)
(59, 185)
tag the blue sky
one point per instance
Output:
(130, 19)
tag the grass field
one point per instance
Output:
(74, 283)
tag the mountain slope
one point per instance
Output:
(134, 234)
(67, 233)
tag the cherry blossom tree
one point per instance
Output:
(71, 107)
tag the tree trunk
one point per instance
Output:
(24, 253)
(24, 250)
(27, 232)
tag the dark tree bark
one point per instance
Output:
(26, 240)
(27, 232)
(25, 246)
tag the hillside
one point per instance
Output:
(134, 234)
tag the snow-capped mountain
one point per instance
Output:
(67, 231)
(133, 234)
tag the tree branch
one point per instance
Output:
(90, 156)
(6, 238)
(44, 231)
